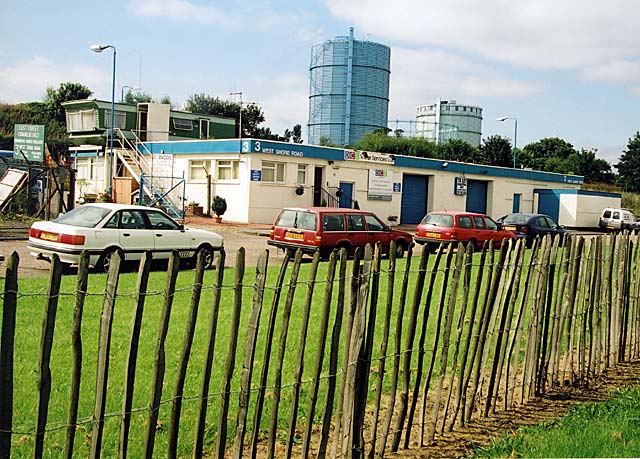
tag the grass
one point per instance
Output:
(28, 330)
(603, 429)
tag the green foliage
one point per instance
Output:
(608, 429)
(54, 98)
(137, 98)
(411, 146)
(326, 142)
(294, 135)
(629, 166)
(497, 151)
(459, 150)
(252, 115)
(219, 205)
(537, 153)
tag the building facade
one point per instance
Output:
(349, 90)
(258, 177)
(447, 119)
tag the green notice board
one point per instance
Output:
(28, 139)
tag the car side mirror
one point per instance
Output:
(500, 226)
(181, 227)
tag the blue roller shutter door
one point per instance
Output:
(476, 196)
(414, 199)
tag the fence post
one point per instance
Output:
(7, 343)
(157, 378)
(46, 343)
(76, 343)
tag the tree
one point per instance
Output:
(137, 98)
(252, 115)
(536, 154)
(295, 135)
(496, 151)
(629, 166)
(458, 150)
(585, 163)
(54, 98)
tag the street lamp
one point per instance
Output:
(515, 135)
(239, 93)
(134, 88)
(99, 49)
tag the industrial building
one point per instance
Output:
(447, 119)
(349, 90)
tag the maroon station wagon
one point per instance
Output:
(323, 229)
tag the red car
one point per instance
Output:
(323, 229)
(453, 227)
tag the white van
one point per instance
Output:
(617, 219)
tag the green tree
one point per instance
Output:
(629, 166)
(252, 115)
(54, 98)
(459, 150)
(594, 170)
(496, 151)
(294, 135)
(411, 146)
(536, 154)
(137, 98)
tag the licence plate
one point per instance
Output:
(296, 236)
(510, 228)
(49, 236)
(433, 235)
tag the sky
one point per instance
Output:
(562, 68)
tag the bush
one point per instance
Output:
(219, 205)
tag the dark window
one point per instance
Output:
(479, 221)
(332, 222)
(373, 223)
(491, 225)
(159, 220)
(465, 222)
(355, 223)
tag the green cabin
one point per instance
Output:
(89, 123)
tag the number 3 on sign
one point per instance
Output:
(245, 146)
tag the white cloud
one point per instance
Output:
(28, 80)
(538, 34)
(180, 10)
(614, 72)
(420, 77)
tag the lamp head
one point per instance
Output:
(98, 48)
(502, 118)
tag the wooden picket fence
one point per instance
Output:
(403, 353)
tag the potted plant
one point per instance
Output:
(194, 208)
(219, 207)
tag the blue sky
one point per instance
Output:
(563, 68)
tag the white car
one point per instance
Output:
(103, 228)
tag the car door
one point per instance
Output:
(481, 232)
(378, 232)
(168, 235)
(356, 230)
(134, 237)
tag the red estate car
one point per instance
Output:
(450, 227)
(323, 229)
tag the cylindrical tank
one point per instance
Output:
(349, 92)
(447, 119)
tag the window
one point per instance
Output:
(332, 222)
(491, 225)
(355, 223)
(198, 170)
(373, 223)
(465, 222)
(160, 221)
(81, 120)
(302, 174)
(182, 124)
(119, 119)
(479, 221)
(227, 169)
(272, 172)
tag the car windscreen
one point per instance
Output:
(516, 219)
(299, 219)
(85, 216)
(438, 220)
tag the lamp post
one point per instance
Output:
(239, 93)
(515, 135)
(135, 88)
(99, 49)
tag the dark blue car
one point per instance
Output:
(528, 226)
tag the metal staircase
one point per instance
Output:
(164, 192)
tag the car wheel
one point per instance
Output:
(208, 256)
(344, 245)
(400, 249)
(104, 262)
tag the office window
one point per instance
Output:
(119, 119)
(81, 120)
(302, 174)
(198, 170)
(272, 172)
(183, 125)
(227, 169)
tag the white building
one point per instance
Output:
(448, 120)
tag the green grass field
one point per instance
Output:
(603, 429)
